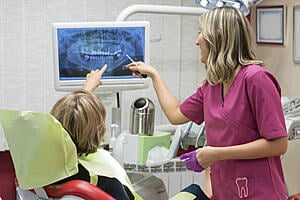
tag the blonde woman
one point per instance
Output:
(82, 114)
(240, 104)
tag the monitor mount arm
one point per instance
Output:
(158, 9)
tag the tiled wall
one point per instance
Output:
(26, 63)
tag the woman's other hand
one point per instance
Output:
(206, 156)
(93, 79)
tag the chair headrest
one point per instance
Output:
(42, 151)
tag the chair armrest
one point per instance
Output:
(77, 188)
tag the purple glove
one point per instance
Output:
(191, 162)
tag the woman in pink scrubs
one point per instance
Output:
(240, 104)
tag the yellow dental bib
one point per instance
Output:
(103, 164)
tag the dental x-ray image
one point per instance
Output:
(81, 50)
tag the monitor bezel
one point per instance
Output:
(108, 85)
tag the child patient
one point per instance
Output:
(82, 114)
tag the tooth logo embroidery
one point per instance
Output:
(242, 186)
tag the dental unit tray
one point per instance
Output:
(186, 135)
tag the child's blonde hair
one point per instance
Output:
(82, 114)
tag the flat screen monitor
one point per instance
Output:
(85, 46)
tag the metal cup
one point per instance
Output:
(142, 113)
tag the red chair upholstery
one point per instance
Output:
(7, 175)
(295, 197)
(77, 188)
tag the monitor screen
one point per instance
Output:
(85, 46)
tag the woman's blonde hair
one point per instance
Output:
(228, 35)
(82, 114)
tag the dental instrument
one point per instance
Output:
(143, 75)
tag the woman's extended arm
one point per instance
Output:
(168, 102)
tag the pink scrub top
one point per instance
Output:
(250, 110)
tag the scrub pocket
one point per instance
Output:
(241, 179)
(255, 188)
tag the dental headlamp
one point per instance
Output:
(242, 5)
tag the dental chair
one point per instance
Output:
(72, 190)
(43, 153)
